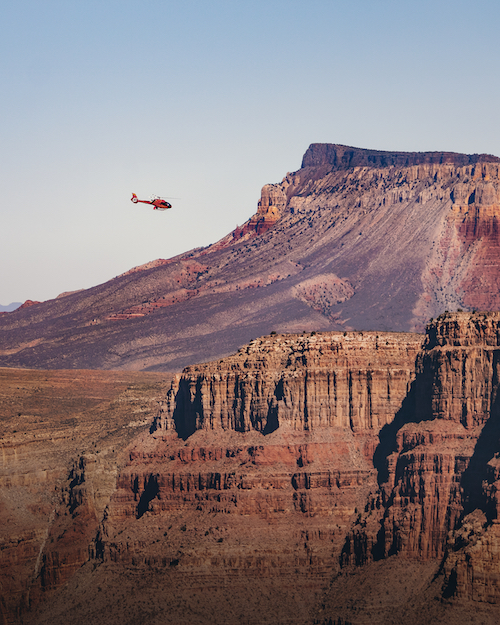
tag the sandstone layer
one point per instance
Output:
(438, 476)
(236, 505)
(313, 478)
(354, 240)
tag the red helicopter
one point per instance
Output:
(158, 203)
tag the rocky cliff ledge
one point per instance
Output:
(345, 157)
(386, 447)
(351, 380)
(61, 439)
(258, 464)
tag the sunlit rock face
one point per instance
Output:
(329, 380)
(257, 465)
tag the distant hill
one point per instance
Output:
(355, 239)
(10, 307)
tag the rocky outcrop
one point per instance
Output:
(323, 292)
(438, 464)
(345, 157)
(462, 269)
(271, 207)
(27, 304)
(381, 447)
(297, 478)
(255, 468)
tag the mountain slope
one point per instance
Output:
(355, 239)
(10, 307)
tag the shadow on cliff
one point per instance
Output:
(189, 415)
(388, 436)
(477, 472)
(415, 408)
(185, 410)
(150, 492)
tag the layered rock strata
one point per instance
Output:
(438, 464)
(61, 435)
(296, 481)
(352, 381)
(418, 423)
(256, 467)
(353, 240)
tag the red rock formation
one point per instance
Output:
(439, 494)
(271, 465)
(27, 304)
(355, 239)
(301, 463)
(61, 439)
(346, 157)
(341, 380)
(465, 260)
(270, 208)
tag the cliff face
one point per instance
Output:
(432, 432)
(448, 236)
(438, 464)
(352, 381)
(255, 467)
(354, 240)
(61, 435)
(295, 481)
(346, 157)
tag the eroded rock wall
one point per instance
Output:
(258, 464)
(438, 466)
(289, 468)
(61, 436)
(351, 380)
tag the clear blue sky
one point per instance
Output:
(207, 101)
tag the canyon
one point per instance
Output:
(162, 464)
(312, 477)
(356, 239)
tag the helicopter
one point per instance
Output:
(158, 203)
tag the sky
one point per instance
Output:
(206, 101)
